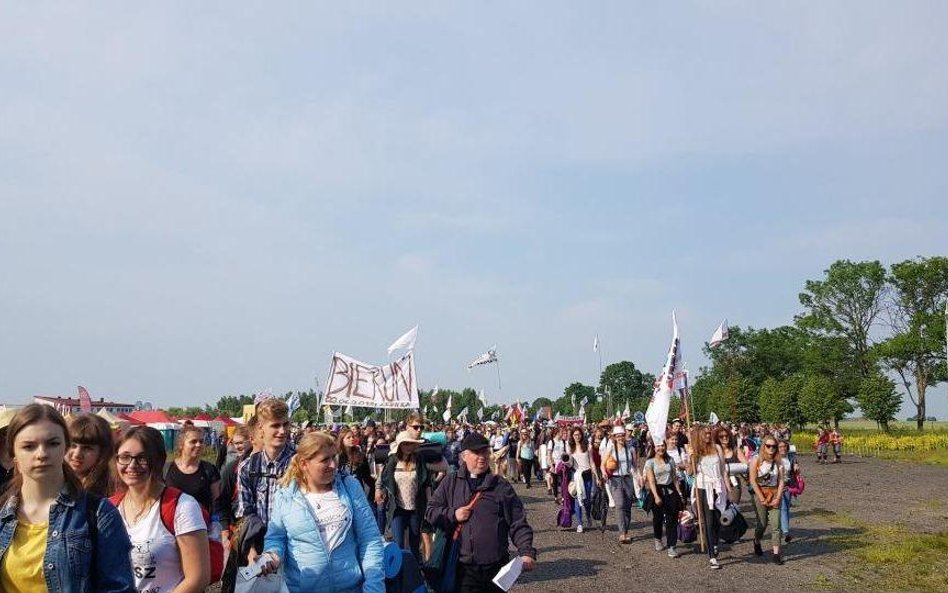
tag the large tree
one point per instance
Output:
(847, 303)
(879, 400)
(625, 383)
(916, 351)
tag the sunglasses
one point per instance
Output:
(771, 446)
(416, 427)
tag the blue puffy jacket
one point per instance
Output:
(355, 565)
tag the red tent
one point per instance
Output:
(204, 417)
(149, 417)
(227, 421)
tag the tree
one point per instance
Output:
(879, 400)
(232, 406)
(778, 401)
(769, 398)
(625, 383)
(916, 350)
(575, 392)
(846, 304)
(819, 400)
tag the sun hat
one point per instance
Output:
(618, 430)
(403, 437)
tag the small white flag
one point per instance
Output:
(486, 358)
(407, 341)
(596, 343)
(713, 419)
(626, 413)
(349, 410)
(719, 336)
(447, 409)
(482, 398)
(480, 413)
(462, 415)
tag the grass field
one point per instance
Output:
(890, 558)
(902, 443)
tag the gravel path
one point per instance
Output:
(571, 561)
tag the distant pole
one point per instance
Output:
(499, 388)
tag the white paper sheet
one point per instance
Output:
(509, 574)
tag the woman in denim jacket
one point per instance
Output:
(322, 529)
(53, 536)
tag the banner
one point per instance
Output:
(293, 402)
(657, 413)
(355, 383)
(486, 358)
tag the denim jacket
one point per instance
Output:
(70, 564)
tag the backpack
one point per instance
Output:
(167, 510)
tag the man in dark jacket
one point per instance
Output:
(487, 522)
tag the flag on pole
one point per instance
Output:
(293, 402)
(596, 343)
(406, 341)
(626, 413)
(713, 419)
(656, 416)
(85, 401)
(482, 398)
(719, 336)
(447, 409)
(263, 396)
(480, 414)
(462, 415)
(486, 358)
(348, 411)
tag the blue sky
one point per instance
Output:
(200, 201)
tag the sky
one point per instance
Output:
(203, 200)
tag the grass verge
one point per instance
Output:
(889, 558)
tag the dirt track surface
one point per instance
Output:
(867, 490)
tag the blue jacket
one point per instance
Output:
(78, 560)
(356, 563)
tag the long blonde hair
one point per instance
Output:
(310, 446)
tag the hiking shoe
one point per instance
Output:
(672, 553)
(778, 559)
(714, 563)
(658, 545)
(788, 539)
(757, 549)
(579, 528)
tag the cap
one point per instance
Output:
(618, 430)
(474, 441)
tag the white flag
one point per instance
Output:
(626, 413)
(480, 413)
(407, 341)
(447, 409)
(713, 419)
(327, 414)
(596, 344)
(486, 358)
(349, 410)
(583, 402)
(462, 415)
(293, 402)
(482, 398)
(656, 416)
(719, 336)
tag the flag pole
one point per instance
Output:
(499, 388)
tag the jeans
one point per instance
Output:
(526, 470)
(587, 492)
(404, 519)
(785, 513)
(623, 491)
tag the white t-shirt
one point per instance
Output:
(156, 563)
(542, 454)
(557, 448)
(332, 517)
(582, 461)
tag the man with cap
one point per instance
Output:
(679, 429)
(488, 511)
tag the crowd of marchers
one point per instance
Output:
(88, 508)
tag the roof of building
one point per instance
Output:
(74, 401)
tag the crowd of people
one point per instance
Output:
(87, 509)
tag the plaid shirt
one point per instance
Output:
(257, 482)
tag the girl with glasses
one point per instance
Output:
(47, 520)
(766, 478)
(713, 490)
(165, 557)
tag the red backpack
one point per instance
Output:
(169, 505)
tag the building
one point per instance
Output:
(70, 405)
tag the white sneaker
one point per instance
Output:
(714, 563)
(658, 545)
(579, 528)
(672, 553)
